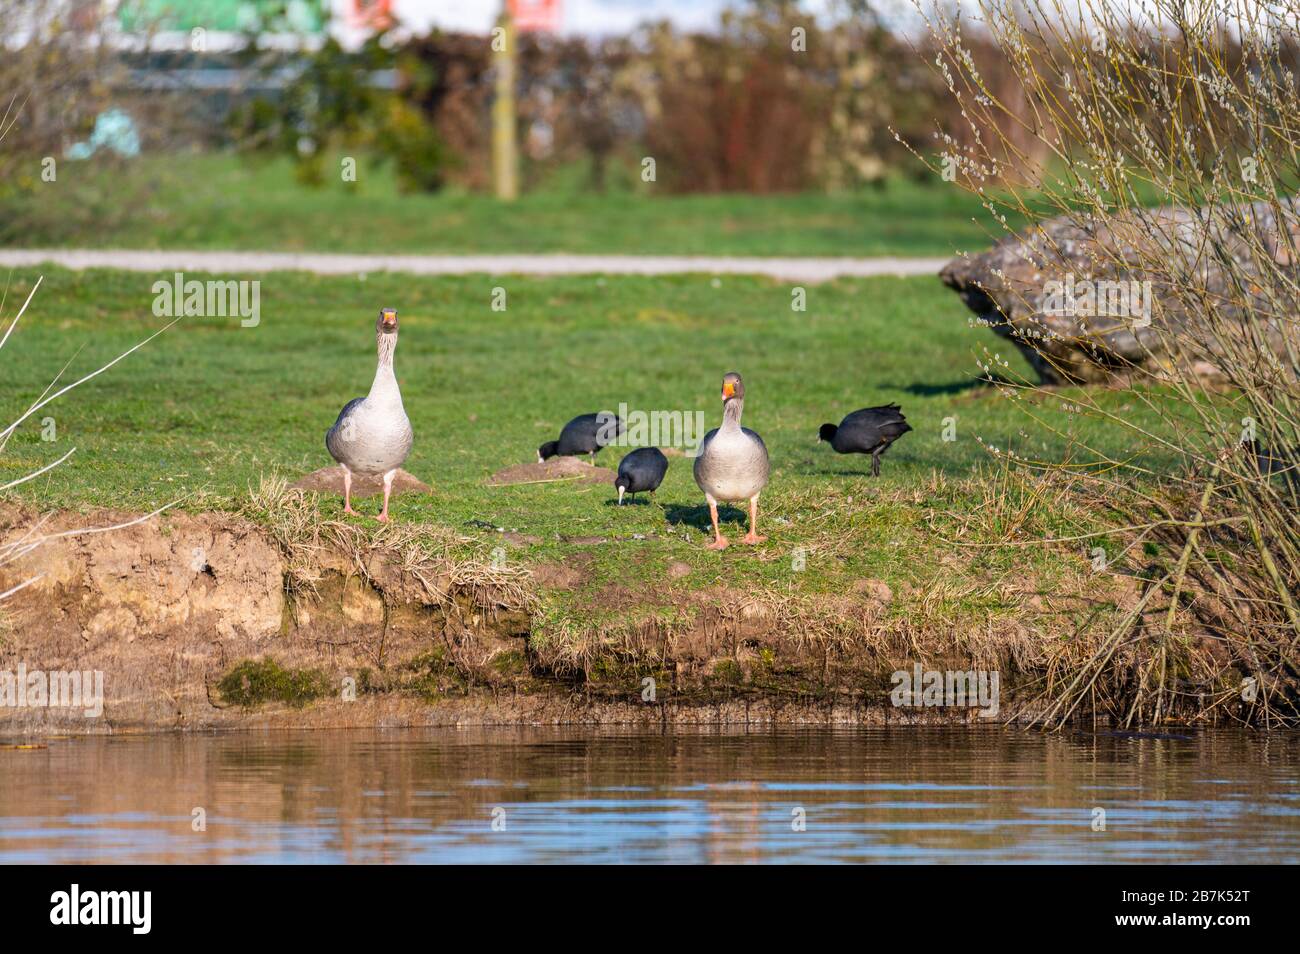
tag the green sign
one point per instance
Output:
(237, 16)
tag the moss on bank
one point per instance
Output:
(254, 682)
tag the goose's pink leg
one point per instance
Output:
(719, 541)
(388, 489)
(753, 537)
(347, 490)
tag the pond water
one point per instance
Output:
(635, 796)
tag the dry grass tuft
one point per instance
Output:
(430, 555)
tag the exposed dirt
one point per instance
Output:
(487, 708)
(168, 607)
(155, 606)
(569, 575)
(330, 480)
(551, 471)
(875, 589)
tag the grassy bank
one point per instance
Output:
(209, 409)
(223, 202)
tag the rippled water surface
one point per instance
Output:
(525, 795)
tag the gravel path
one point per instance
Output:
(325, 263)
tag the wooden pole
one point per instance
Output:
(505, 151)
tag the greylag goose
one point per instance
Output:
(373, 434)
(732, 464)
(868, 431)
(585, 434)
(643, 469)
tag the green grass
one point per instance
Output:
(224, 202)
(208, 408)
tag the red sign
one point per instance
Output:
(369, 14)
(535, 14)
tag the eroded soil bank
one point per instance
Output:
(210, 620)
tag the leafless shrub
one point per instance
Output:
(1195, 106)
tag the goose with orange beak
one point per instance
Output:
(732, 465)
(372, 435)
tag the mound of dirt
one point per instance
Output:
(560, 576)
(330, 480)
(552, 471)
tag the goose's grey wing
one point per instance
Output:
(700, 465)
(764, 464)
(334, 438)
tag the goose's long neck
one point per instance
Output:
(384, 389)
(731, 414)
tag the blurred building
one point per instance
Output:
(297, 23)
(290, 22)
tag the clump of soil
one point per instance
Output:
(552, 471)
(877, 590)
(517, 539)
(558, 576)
(330, 480)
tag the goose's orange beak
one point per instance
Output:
(728, 390)
(390, 318)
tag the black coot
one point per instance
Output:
(641, 470)
(1271, 462)
(868, 431)
(583, 435)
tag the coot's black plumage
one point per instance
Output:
(641, 470)
(1270, 462)
(585, 434)
(868, 431)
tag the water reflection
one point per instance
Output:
(903, 794)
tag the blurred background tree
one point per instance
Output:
(56, 78)
(772, 100)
